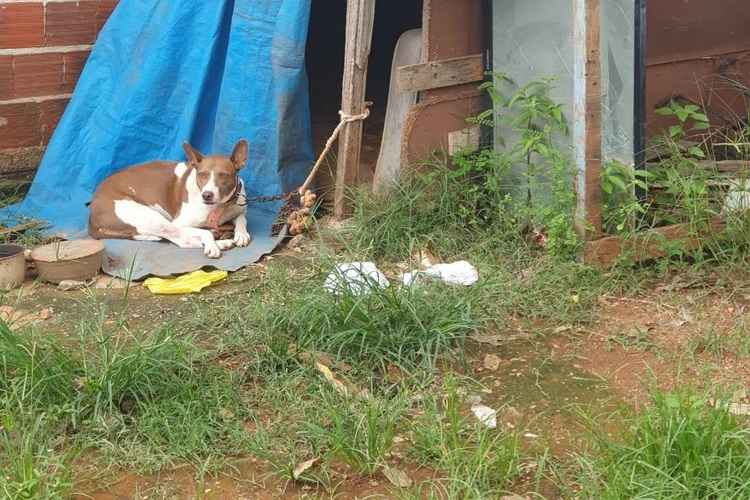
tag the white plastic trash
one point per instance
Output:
(456, 273)
(485, 414)
(356, 277)
(738, 197)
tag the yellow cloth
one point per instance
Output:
(187, 283)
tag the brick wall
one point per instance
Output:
(43, 47)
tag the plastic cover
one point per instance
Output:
(165, 71)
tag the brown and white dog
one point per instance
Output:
(173, 201)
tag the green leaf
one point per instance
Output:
(700, 117)
(665, 111)
(702, 126)
(672, 401)
(675, 130)
(697, 152)
(618, 182)
(682, 115)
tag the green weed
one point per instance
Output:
(680, 447)
(357, 432)
(112, 390)
(32, 461)
(409, 326)
(478, 462)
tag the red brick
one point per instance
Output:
(74, 62)
(38, 75)
(70, 23)
(50, 113)
(21, 25)
(102, 14)
(6, 77)
(19, 125)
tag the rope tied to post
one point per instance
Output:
(345, 119)
(299, 219)
(299, 202)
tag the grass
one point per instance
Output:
(477, 462)
(357, 432)
(402, 326)
(234, 376)
(35, 465)
(680, 447)
(111, 391)
(718, 343)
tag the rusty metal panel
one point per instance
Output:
(696, 49)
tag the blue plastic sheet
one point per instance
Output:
(166, 71)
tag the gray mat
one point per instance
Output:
(135, 260)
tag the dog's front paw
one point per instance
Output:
(212, 250)
(242, 239)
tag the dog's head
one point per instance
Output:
(217, 175)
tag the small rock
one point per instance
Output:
(297, 241)
(397, 477)
(474, 399)
(105, 281)
(492, 362)
(68, 285)
(27, 255)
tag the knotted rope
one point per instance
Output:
(345, 118)
(299, 203)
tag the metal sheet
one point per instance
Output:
(694, 48)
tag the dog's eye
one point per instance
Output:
(203, 176)
(223, 176)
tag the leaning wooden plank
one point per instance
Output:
(360, 15)
(439, 74)
(388, 168)
(645, 245)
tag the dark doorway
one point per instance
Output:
(325, 68)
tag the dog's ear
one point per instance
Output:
(239, 154)
(193, 155)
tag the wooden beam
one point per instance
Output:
(439, 74)
(645, 245)
(721, 166)
(360, 15)
(587, 118)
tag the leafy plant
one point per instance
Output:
(622, 209)
(539, 131)
(681, 447)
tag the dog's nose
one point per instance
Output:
(208, 196)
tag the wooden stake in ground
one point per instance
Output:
(587, 115)
(360, 15)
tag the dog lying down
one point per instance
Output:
(179, 202)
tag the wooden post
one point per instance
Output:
(360, 15)
(588, 116)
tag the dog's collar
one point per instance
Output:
(237, 193)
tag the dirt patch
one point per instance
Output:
(647, 342)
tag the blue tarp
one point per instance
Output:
(165, 71)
